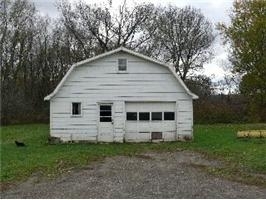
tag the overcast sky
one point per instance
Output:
(215, 10)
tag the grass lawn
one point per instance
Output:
(242, 157)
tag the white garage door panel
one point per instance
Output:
(169, 136)
(142, 127)
(150, 127)
(162, 126)
(137, 137)
(135, 129)
(150, 107)
(131, 127)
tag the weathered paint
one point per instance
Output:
(146, 86)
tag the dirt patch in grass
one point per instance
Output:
(6, 186)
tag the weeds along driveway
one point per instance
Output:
(151, 175)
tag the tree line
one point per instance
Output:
(36, 51)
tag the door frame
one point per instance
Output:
(98, 116)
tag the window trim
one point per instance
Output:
(122, 71)
(71, 109)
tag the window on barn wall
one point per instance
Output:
(156, 115)
(131, 116)
(144, 116)
(105, 113)
(122, 64)
(169, 115)
(76, 108)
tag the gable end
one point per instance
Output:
(48, 97)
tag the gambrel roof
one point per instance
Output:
(120, 49)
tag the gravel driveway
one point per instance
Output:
(152, 175)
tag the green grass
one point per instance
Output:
(240, 156)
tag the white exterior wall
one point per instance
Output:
(99, 81)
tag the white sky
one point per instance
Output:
(215, 10)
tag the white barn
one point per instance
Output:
(121, 96)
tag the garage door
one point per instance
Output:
(146, 121)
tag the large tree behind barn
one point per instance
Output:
(34, 57)
(184, 36)
(100, 29)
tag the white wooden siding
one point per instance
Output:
(184, 118)
(99, 81)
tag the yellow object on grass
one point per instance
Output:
(252, 133)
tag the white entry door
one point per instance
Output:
(105, 125)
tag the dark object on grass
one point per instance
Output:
(20, 144)
(54, 140)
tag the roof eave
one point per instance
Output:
(48, 97)
(194, 96)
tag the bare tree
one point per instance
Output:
(99, 29)
(34, 57)
(17, 31)
(185, 37)
(229, 84)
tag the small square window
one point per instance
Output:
(122, 65)
(144, 116)
(76, 108)
(156, 116)
(169, 115)
(132, 116)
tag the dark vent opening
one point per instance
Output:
(156, 135)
